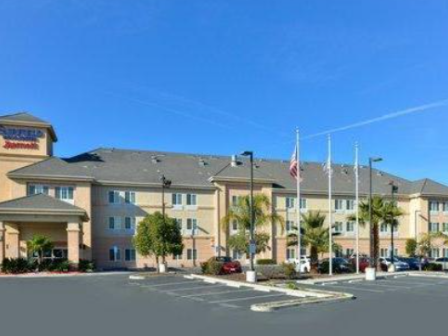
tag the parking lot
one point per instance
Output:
(115, 305)
(420, 286)
(207, 293)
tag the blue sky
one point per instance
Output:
(225, 76)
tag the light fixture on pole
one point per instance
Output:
(394, 189)
(251, 274)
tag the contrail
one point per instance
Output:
(393, 115)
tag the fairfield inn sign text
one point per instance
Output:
(20, 138)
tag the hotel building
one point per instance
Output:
(90, 204)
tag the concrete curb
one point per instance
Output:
(61, 275)
(262, 288)
(274, 306)
(352, 277)
(436, 275)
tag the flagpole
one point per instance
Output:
(299, 233)
(357, 205)
(330, 209)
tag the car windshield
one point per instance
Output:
(223, 259)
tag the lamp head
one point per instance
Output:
(247, 153)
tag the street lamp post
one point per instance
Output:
(394, 189)
(165, 184)
(373, 261)
(251, 275)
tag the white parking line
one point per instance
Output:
(385, 285)
(247, 298)
(409, 283)
(217, 293)
(193, 288)
(173, 283)
(358, 289)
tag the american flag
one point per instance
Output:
(294, 164)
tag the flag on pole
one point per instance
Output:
(294, 164)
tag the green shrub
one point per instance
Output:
(270, 271)
(289, 271)
(291, 285)
(212, 267)
(16, 266)
(86, 266)
(432, 267)
(266, 262)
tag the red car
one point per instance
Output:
(363, 263)
(229, 266)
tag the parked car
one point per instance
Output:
(364, 262)
(399, 265)
(229, 266)
(340, 265)
(443, 262)
(413, 262)
(305, 264)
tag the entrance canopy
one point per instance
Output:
(40, 208)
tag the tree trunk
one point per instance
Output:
(376, 247)
(314, 259)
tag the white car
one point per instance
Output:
(443, 262)
(399, 265)
(305, 264)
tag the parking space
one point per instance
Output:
(203, 292)
(400, 283)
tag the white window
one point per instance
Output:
(433, 206)
(290, 253)
(129, 197)
(177, 199)
(114, 254)
(191, 199)
(129, 254)
(179, 223)
(339, 205)
(114, 197)
(384, 228)
(192, 225)
(434, 227)
(349, 252)
(434, 253)
(177, 256)
(384, 253)
(234, 225)
(34, 189)
(445, 253)
(289, 225)
(114, 223)
(303, 204)
(290, 202)
(235, 200)
(338, 227)
(350, 205)
(129, 223)
(64, 194)
(350, 227)
(445, 228)
(237, 255)
(445, 206)
(192, 254)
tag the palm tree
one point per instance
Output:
(315, 235)
(39, 244)
(382, 212)
(241, 214)
(426, 242)
(390, 214)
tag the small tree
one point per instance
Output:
(411, 247)
(39, 244)
(159, 236)
(241, 213)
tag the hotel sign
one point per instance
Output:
(20, 138)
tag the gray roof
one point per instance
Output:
(111, 166)
(429, 187)
(24, 118)
(41, 203)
